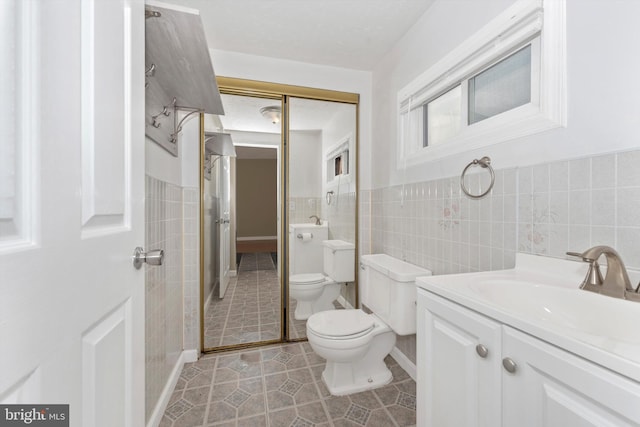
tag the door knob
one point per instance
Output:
(153, 257)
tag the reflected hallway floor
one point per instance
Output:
(250, 310)
(281, 386)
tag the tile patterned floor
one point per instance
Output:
(250, 310)
(280, 386)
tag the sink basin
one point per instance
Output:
(545, 301)
(574, 309)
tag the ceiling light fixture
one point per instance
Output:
(272, 113)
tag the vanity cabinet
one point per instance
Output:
(476, 371)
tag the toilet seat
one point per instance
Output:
(341, 324)
(307, 279)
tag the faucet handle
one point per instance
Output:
(580, 255)
(594, 276)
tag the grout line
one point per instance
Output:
(213, 381)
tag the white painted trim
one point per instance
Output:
(233, 273)
(207, 301)
(243, 239)
(187, 356)
(404, 362)
(522, 21)
(190, 356)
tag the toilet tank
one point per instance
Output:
(306, 248)
(339, 260)
(388, 289)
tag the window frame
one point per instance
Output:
(540, 23)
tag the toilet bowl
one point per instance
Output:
(313, 292)
(355, 343)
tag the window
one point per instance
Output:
(490, 89)
(442, 117)
(502, 87)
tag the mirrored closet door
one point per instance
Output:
(322, 209)
(285, 198)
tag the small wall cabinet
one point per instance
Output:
(475, 371)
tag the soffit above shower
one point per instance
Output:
(176, 43)
(179, 75)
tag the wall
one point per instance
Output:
(341, 213)
(256, 197)
(565, 189)
(163, 284)
(305, 176)
(172, 291)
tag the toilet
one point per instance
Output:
(318, 267)
(354, 342)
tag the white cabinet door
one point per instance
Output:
(456, 386)
(72, 207)
(552, 387)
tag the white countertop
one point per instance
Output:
(540, 296)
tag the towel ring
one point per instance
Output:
(484, 162)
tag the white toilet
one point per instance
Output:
(355, 343)
(318, 267)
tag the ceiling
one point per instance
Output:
(342, 33)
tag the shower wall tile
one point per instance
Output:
(163, 287)
(546, 209)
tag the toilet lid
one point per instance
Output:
(340, 323)
(307, 279)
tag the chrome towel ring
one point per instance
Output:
(484, 162)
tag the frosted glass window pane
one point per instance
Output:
(502, 87)
(443, 117)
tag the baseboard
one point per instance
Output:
(233, 273)
(190, 356)
(208, 300)
(404, 362)
(187, 356)
(343, 302)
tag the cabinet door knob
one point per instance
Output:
(482, 351)
(509, 365)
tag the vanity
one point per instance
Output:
(526, 347)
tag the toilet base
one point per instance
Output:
(364, 373)
(374, 380)
(304, 309)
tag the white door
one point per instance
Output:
(72, 207)
(224, 210)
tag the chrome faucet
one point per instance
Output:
(318, 222)
(616, 281)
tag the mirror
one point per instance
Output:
(321, 209)
(242, 288)
(295, 167)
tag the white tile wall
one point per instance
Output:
(301, 208)
(163, 294)
(546, 209)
